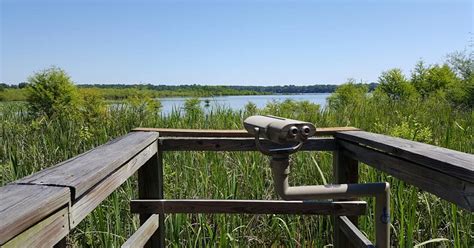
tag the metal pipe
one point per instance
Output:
(280, 164)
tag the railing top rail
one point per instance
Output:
(446, 173)
(23, 205)
(82, 172)
(447, 161)
(172, 132)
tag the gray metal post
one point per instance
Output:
(280, 164)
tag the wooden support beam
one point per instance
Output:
(144, 233)
(354, 235)
(345, 170)
(150, 186)
(236, 144)
(249, 207)
(172, 132)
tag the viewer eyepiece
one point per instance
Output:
(279, 130)
(293, 131)
(306, 130)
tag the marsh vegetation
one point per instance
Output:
(433, 105)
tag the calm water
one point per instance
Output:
(238, 102)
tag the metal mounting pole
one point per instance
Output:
(280, 164)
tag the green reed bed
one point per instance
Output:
(29, 145)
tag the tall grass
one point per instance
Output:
(419, 218)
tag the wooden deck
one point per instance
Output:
(44, 207)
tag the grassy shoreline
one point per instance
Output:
(8, 95)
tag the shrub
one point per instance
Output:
(192, 106)
(395, 85)
(52, 93)
(432, 79)
(142, 101)
(250, 109)
(349, 94)
(93, 106)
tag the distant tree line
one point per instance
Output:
(296, 89)
(284, 89)
(4, 86)
(218, 90)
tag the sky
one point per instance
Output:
(227, 42)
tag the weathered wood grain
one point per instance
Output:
(450, 188)
(236, 144)
(45, 233)
(144, 233)
(150, 186)
(354, 235)
(21, 206)
(90, 200)
(82, 172)
(249, 207)
(172, 132)
(450, 162)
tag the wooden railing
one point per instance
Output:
(44, 207)
(41, 209)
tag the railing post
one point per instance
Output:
(346, 170)
(150, 186)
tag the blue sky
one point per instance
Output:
(228, 42)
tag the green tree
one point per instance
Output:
(439, 78)
(428, 80)
(93, 107)
(22, 85)
(418, 77)
(52, 93)
(395, 85)
(443, 81)
(462, 64)
(348, 94)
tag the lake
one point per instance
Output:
(238, 102)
